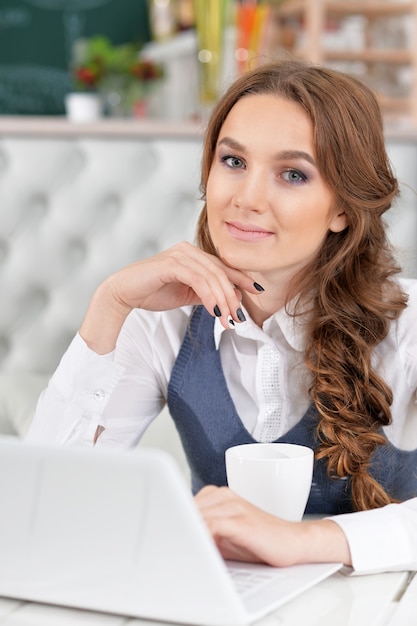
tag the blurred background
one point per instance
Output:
(182, 53)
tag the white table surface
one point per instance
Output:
(338, 601)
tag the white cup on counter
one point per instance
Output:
(276, 477)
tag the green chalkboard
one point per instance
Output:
(36, 39)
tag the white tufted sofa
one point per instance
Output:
(77, 203)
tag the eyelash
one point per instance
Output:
(229, 157)
(302, 177)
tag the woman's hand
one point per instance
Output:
(243, 532)
(179, 276)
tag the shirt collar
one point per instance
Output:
(291, 327)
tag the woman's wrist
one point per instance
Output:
(323, 541)
(104, 319)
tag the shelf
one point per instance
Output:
(111, 128)
(393, 104)
(369, 9)
(389, 57)
(394, 57)
(295, 8)
(310, 18)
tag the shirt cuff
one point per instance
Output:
(379, 539)
(71, 408)
(82, 368)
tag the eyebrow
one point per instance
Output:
(284, 155)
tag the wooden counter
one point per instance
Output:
(130, 128)
(105, 127)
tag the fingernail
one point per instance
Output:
(231, 322)
(258, 287)
(240, 315)
(217, 311)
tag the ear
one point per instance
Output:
(339, 222)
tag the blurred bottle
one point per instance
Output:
(162, 19)
(185, 14)
(210, 23)
(167, 17)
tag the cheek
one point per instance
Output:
(210, 193)
(315, 214)
(211, 204)
(215, 200)
(213, 228)
(220, 187)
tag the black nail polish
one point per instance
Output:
(258, 287)
(231, 322)
(240, 315)
(217, 311)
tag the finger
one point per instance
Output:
(206, 276)
(233, 284)
(233, 552)
(218, 286)
(210, 495)
(207, 498)
(222, 503)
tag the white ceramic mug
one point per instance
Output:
(276, 477)
(83, 107)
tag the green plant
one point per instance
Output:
(97, 62)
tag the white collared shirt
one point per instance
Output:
(125, 390)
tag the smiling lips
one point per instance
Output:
(247, 232)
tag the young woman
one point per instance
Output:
(287, 322)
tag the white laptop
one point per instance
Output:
(119, 532)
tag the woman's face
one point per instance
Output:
(268, 207)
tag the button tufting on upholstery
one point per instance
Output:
(145, 163)
(4, 250)
(73, 253)
(4, 347)
(74, 211)
(147, 248)
(34, 299)
(76, 159)
(3, 163)
(34, 210)
(108, 208)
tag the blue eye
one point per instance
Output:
(233, 162)
(294, 177)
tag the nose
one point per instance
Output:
(251, 192)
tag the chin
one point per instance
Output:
(241, 261)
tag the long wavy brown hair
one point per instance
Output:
(350, 284)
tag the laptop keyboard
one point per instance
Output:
(248, 580)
